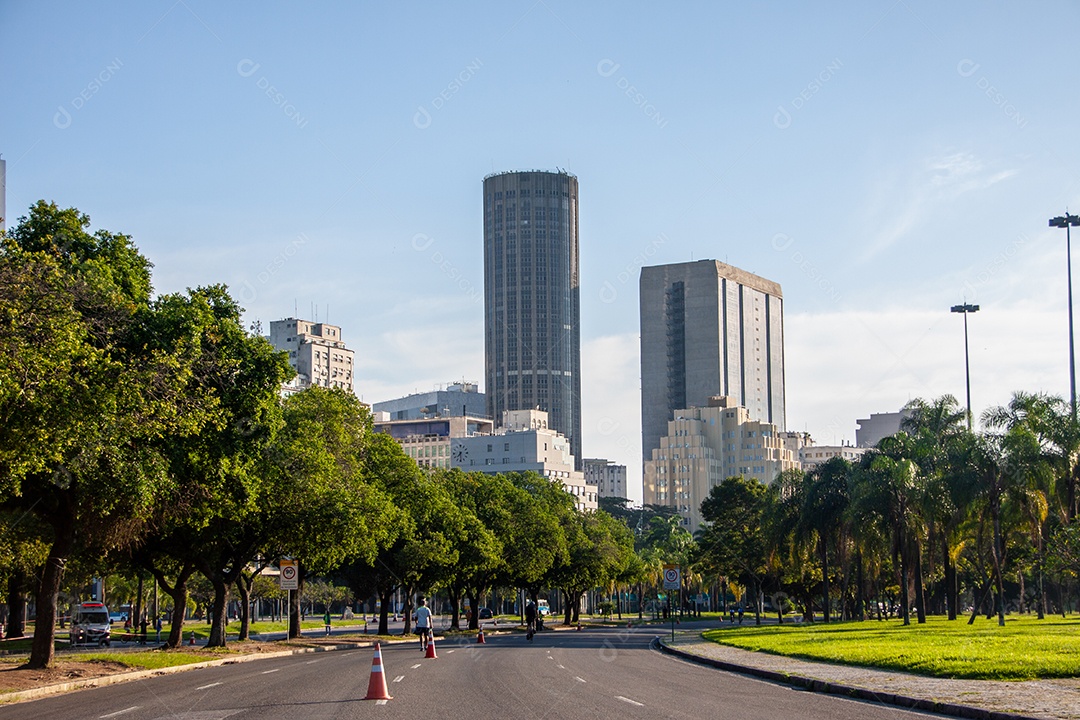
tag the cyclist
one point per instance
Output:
(423, 624)
(530, 620)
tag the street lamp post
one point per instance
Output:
(1067, 221)
(965, 309)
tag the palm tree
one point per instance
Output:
(1045, 471)
(937, 428)
(887, 491)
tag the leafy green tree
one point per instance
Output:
(735, 542)
(600, 548)
(82, 399)
(317, 503)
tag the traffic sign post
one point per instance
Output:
(288, 578)
(672, 581)
(289, 581)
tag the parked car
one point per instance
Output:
(485, 613)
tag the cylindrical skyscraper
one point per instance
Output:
(532, 339)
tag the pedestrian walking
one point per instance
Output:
(326, 620)
(740, 614)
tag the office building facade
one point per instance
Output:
(316, 352)
(703, 446)
(524, 442)
(457, 398)
(429, 441)
(609, 478)
(532, 343)
(709, 329)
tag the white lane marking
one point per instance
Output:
(120, 712)
(399, 678)
(628, 700)
(449, 651)
(416, 666)
(267, 672)
(207, 687)
(380, 702)
(312, 662)
(579, 679)
(561, 667)
(550, 658)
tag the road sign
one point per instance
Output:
(287, 578)
(672, 576)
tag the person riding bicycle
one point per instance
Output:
(423, 624)
(530, 620)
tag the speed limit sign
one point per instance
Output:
(672, 576)
(288, 575)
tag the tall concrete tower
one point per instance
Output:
(532, 337)
(709, 329)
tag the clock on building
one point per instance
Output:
(460, 453)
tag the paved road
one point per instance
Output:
(567, 675)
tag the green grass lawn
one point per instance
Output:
(1025, 649)
(147, 660)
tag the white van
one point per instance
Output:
(542, 608)
(90, 624)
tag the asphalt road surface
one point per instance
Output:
(568, 675)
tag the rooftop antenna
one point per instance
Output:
(295, 312)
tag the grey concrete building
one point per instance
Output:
(457, 398)
(524, 442)
(428, 440)
(316, 352)
(532, 341)
(871, 430)
(709, 329)
(609, 478)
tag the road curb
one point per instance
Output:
(822, 686)
(105, 680)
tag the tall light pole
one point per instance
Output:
(965, 309)
(1067, 221)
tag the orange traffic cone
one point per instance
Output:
(579, 625)
(191, 640)
(376, 689)
(431, 649)
(480, 637)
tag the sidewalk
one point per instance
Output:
(1058, 699)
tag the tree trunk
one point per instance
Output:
(860, 591)
(454, 594)
(16, 604)
(243, 589)
(41, 650)
(178, 592)
(386, 596)
(997, 555)
(982, 598)
(294, 607)
(920, 590)
(823, 548)
(217, 613)
(952, 598)
(408, 591)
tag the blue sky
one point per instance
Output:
(880, 160)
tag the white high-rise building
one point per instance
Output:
(316, 352)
